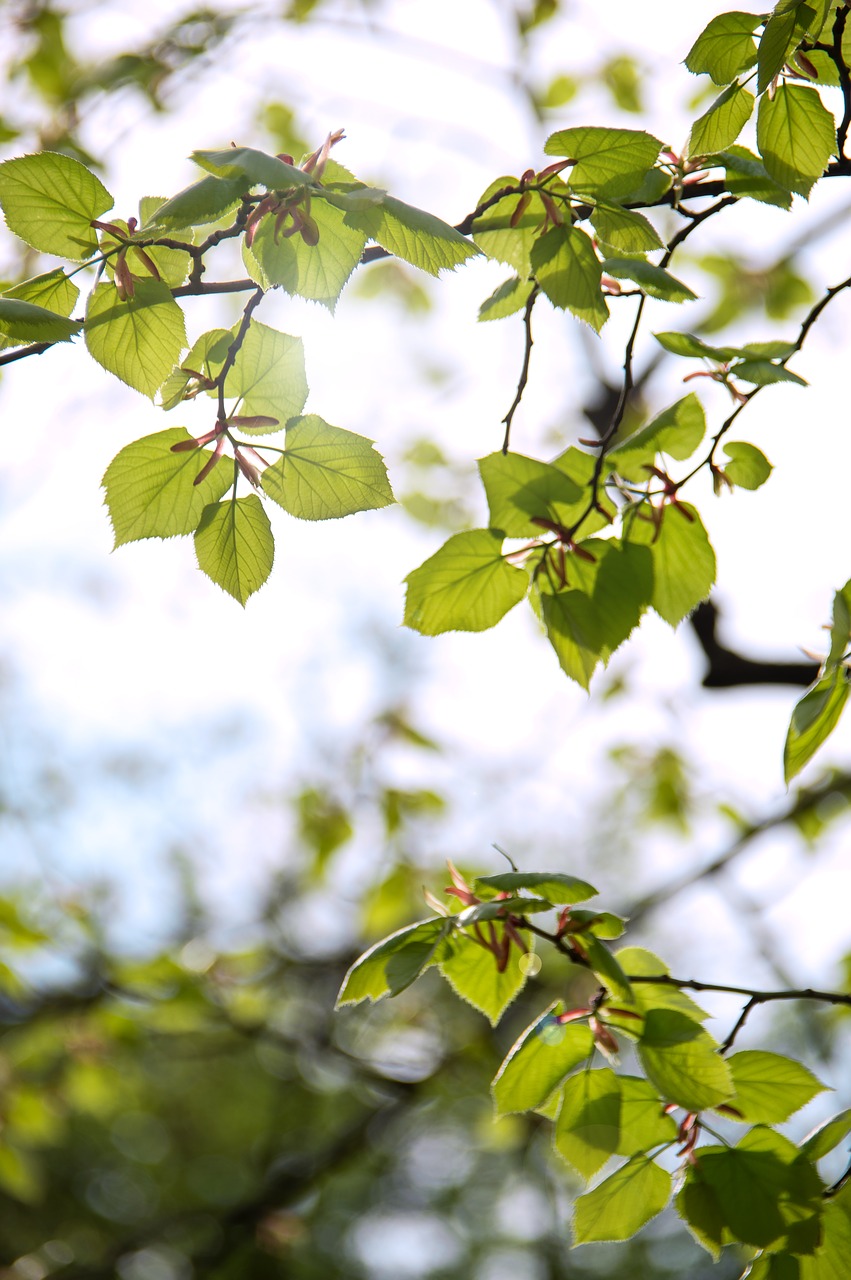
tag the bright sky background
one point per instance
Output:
(138, 655)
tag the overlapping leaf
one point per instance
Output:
(326, 472)
(50, 200)
(138, 339)
(234, 545)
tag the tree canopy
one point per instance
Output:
(202, 1108)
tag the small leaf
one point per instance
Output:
(555, 887)
(762, 373)
(682, 1061)
(26, 322)
(465, 586)
(609, 161)
(683, 562)
(317, 272)
(725, 47)
(796, 135)
(746, 175)
(471, 970)
(414, 235)
(50, 200)
(652, 280)
(748, 466)
(769, 1087)
(686, 344)
(677, 431)
(509, 298)
(827, 1136)
(268, 377)
(537, 1063)
(588, 1127)
(138, 339)
(778, 41)
(643, 1122)
(252, 168)
(234, 545)
(521, 489)
(605, 966)
(813, 720)
(568, 270)
(151, 491)
(326, 472)
(721, 125)
(410, 950)
(620, 1206)
(204, 202)
(624, 229)
(699, 1209)
(573, 629)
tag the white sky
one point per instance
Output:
(140, 651)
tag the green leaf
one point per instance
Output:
(827, 1136)
(268, 377)
(201, 203)
(683, 561)
(151, 491)
(746, 175)
(652, 280)
(607, 161)
(139, 339)
(53, 290)
(509, 298)
(779, 38)
(465, 586)
(573, 629)
(686, 344)
(414, 235)
(763, 373)
(748, 466)
(588, 1127)
(504, 236)
(764, 1188)
(813, 720)
(568, 270)
(620, 1206)
(637, 962)
(643, 1122)
(251, 168)
(519, 489)
(682, 1060)
(721, 125)
(840, 631)
(676, 431)
(725, 47)
(234, 545)
(537, 1063)
(471, 970)
(624, 229)
(830, 1259)
(796, 135)
(393, 964)
(605, 966)
(581, 467)
(555, 887)
(699, 1209)
(26, 322)
(326, 472)
(50, 200)
(317, 272)
(769, 1087)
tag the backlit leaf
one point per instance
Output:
(471, 970)
(814, 719)
(555, 887)
(316, 272)
(25, 322)
(620, 1206)
(796, 135)
(392, 964)
(537, 1063)
(748, 466)
(587, 1130)
(414, 235)
(682, 1060)
(721, 125)
(568, 270)
(326, 472)
(769, 1087)
(138, 339)
(609, 161)
(50, 200)
(234, 545)
(268, 377)
(652, 280)
(465, 586)
(683, 562)
(643, 1123)
(521, 489)
(725, 47)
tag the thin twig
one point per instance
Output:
(524, 372)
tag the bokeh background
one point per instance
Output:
(206, 812)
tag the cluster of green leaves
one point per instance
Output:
(760, 1192)
(168, 484)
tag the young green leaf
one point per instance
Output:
(620, 1206)
(471, 970)
(268, 377)
(763, 373)
(840, 631)
(151, 491)
(537, 1063)
(609, 162)
(326, 472)
(779, 39)
(636, 962)
(624, 229)
(643, 1122)
(414, 235)
(393, 964)
(50, 200)
(769, 1087)
(509, 298)
(465, 586)
(26, 322)
(682, 1060)
(677, 431)
(796, 135)
(234, 545)
(52, 290)
(317, 272)
(252, 168)
(699, 1209)
(521, 489)
(746, 175)
(507, 230)
(573, 629)
(652, 280)
(683, 561)
(568, 270)
(725, 47)
(204, 202)
(138, 339)
(588, 1128)
(748, 466)
(827, 1136)
(555, 887)
(721, 125)
(605, 966)
(813, 720)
